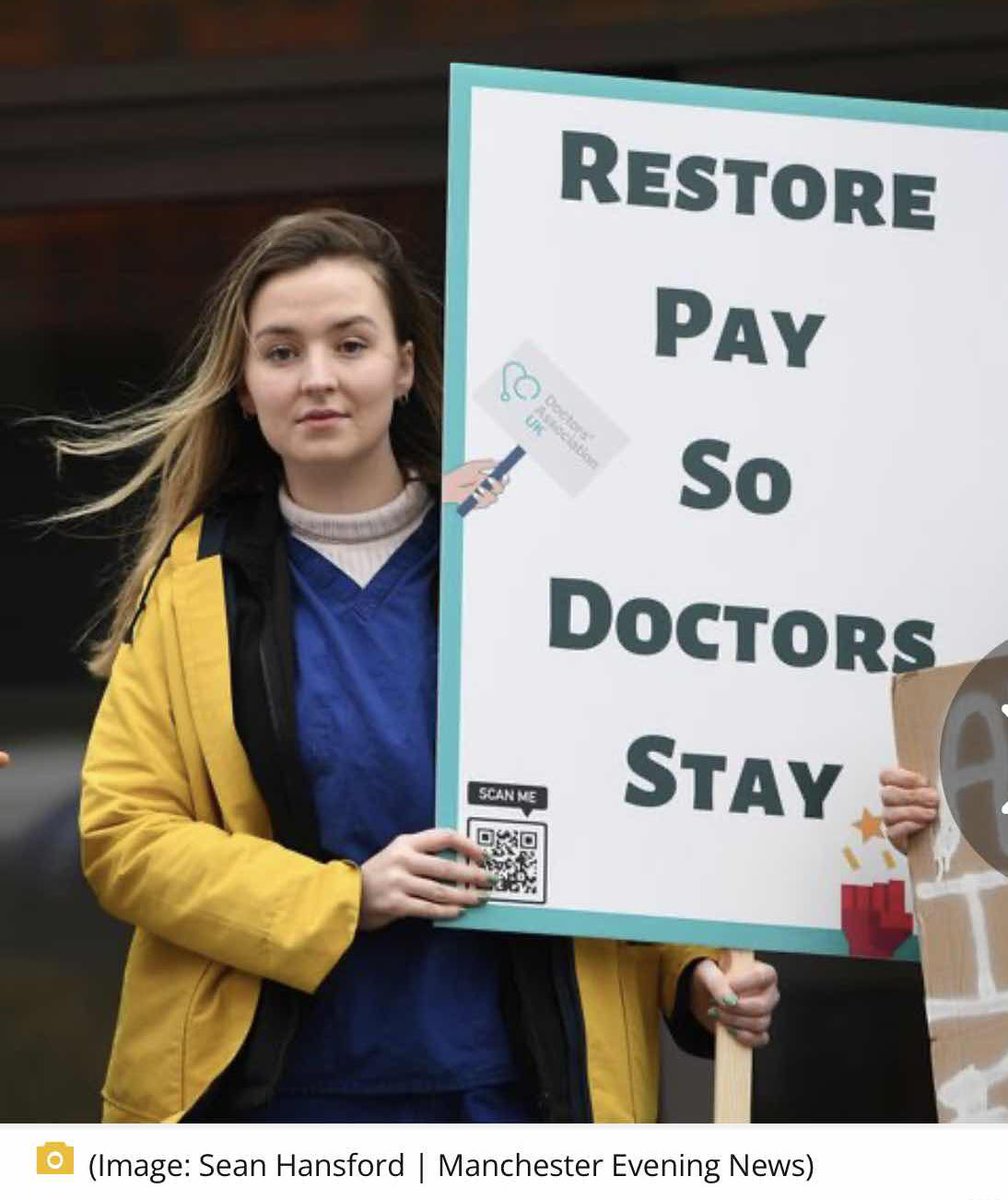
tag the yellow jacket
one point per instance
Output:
(176, 840)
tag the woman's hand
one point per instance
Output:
(409, 879)
(742, 1000)
(4, 758)
(909, 804)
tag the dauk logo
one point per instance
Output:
(517, 383)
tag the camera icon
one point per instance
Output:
(54, 1158)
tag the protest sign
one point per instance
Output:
(951, 725)
(742, 355)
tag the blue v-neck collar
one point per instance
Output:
(325, 576)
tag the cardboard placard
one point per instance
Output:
(962, 915)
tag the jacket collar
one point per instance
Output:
(254, 528)
(260, 636)
(203, 644)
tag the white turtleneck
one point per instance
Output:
(359, 543)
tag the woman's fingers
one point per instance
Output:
(745, 1038)
(731, 1020)
(742, 1000)
(446, 895)
(433, 841)
(414, 907)
(715, 981)
(757, 1006)
(758, 977)
(430, 866)
(715, 984)
(752, 989)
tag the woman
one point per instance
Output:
(258, 788)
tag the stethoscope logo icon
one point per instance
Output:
(518, 383)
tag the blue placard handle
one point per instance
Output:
(498, 472)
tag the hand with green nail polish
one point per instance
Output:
(742, 1000)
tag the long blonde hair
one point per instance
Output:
(198, 446)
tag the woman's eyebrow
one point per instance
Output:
(358, 319)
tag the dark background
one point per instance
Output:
(141, 144)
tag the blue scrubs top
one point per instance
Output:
(413, 1008)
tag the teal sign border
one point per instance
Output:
(465, 78)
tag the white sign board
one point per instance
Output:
(744, 356)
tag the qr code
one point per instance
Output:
(516, 853)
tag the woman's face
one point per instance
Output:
(323, 369)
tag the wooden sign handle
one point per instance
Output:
(732, 1063)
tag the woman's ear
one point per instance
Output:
(244, 400)
(404, 378)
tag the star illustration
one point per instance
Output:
(869, 825)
